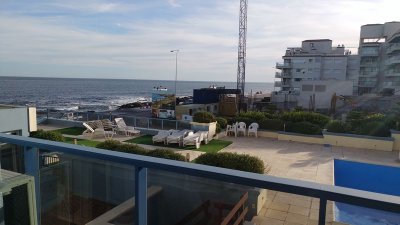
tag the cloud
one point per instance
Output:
(174, 3)
(132, 40)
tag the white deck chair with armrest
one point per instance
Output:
(93, 127)
(253, 128)
(108, 129)
(196, 139)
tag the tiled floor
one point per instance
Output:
(305, 162)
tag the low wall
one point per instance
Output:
(396, 137)
(267, 134)
(359, 141)
(311, 139)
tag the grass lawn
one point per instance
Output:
(83, 142)
(71, 130)
(212, 146)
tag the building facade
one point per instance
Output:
(379, 52)
(311, 74)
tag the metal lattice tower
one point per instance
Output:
(241, 72)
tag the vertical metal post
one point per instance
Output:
(148, 123)
(31, 161)
(134, 121)
(322, 211)
(141, 195)
(162, 124)
(176, 124)
(47, 113)
(87, 116)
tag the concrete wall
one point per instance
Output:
(15, 119)
(359, 141)
(311, 139)
(396, 136)
(342, 140)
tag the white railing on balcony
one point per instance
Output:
(282, 84)
(282, 75)
(392, 73)
(393, 60)
(282, 65)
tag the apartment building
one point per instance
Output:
(379, 52)
(311, 74)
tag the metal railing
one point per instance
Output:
(140, 122)
(142, 163)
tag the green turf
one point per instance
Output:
(83, 142)
(71, 130)
(212, 146)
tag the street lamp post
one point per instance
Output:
(176, 51)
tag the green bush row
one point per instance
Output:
(232, 161)
(204, 117)
(47, 135)
(135, 149)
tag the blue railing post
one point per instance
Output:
(32, 168)
(134, 121)
(148, 123)
(162, 124)
(322, 211)
(176, 124)
(141, 195)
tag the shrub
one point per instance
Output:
(48, 135)
(302, 116)
(337, 127)
(374, 128)
(252, 115)
(304, 128)
(114, 145)
(166, 154)
(272, 124)
(121, 147)
(204, 117)
(221, 123)
(232, 161)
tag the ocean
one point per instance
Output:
(96, 94)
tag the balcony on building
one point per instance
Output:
(367, 83)
(369, 51)
(285, 65)
(367, 73)
(393, 48)
(392, 73)
(282, 75)
(282, 83)
(393, 60)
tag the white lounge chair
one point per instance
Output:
(93, 127)
(231, 129)
(253, 128)
(123, 128)
(161, 136)
(177, 137)
(241, 128)
(196, 139)
(108, 128)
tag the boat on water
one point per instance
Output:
(159, 88)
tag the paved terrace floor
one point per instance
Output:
(310, 162)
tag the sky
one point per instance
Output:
(132, 39)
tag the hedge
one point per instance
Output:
(302, 116)
(272, 124)
(232, 161)
(135, 149)
(166, 154)
(204, 117)
(337, 127)
(304, 128)
(221, 123)
(47, 135)
(375, 128)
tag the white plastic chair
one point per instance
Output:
(231, 129)
(241, 128)
(162, 135)
(177, 137)
(253, 128)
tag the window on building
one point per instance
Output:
(320, 88)
(191, 112)
(297, 79)
(312, 45)
(298, 70)
(310, 60)
(215, 108)
(307, 87)
(310, 69)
